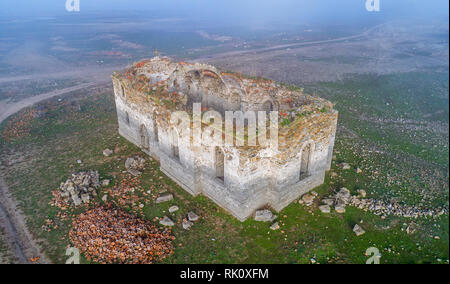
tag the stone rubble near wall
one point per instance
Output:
(308, 199)
(192, 216)
(381, 208)
(264, 216)
(135, 165)
(325, 208)
(275, 226)
(80, 187)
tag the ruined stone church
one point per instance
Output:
(240, 179)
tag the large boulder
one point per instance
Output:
(264, 216)
(165, 221)
(358, 230)
(164, 198)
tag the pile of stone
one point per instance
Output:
(109, 235)
(381, 208)
(135, 165)
(80, 188)
(343, 198)
(189, 221)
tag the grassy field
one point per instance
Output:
(82, 126)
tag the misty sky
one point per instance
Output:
(248, 12)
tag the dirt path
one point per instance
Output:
(12, 220)
(16, 234)
(7, 109)
(284, 46)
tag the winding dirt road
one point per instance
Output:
(12, 221)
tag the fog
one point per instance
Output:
(246, 13)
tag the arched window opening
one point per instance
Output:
(305, 161)
(127, 118)
(220, 164)
(175, 148)
(267, 106)
(235, 102)
(145, 143)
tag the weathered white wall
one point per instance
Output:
(248, 184)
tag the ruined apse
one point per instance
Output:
(240, 179)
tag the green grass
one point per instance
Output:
(66, 133)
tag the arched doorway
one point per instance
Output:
(219, 164)
(145, 141)
(305, 161)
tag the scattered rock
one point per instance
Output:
(345, 166)
(106, 182)
(340, 207)
(164, 198)
(358, 170)
(328, 201)
(344, 195)
(325, 208)
(105, 198)
(275, 226)
(192, 216)
(358, 230)
(165, 221)
(187, 224)
(107, 152)
(79, 161)
(264, 216)
(173, 209)
(362, 193)
(308, 199)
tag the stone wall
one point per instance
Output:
(251, 179)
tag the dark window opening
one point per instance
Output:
(220, 164)
(305, 161)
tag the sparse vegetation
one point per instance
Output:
(66, 133)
